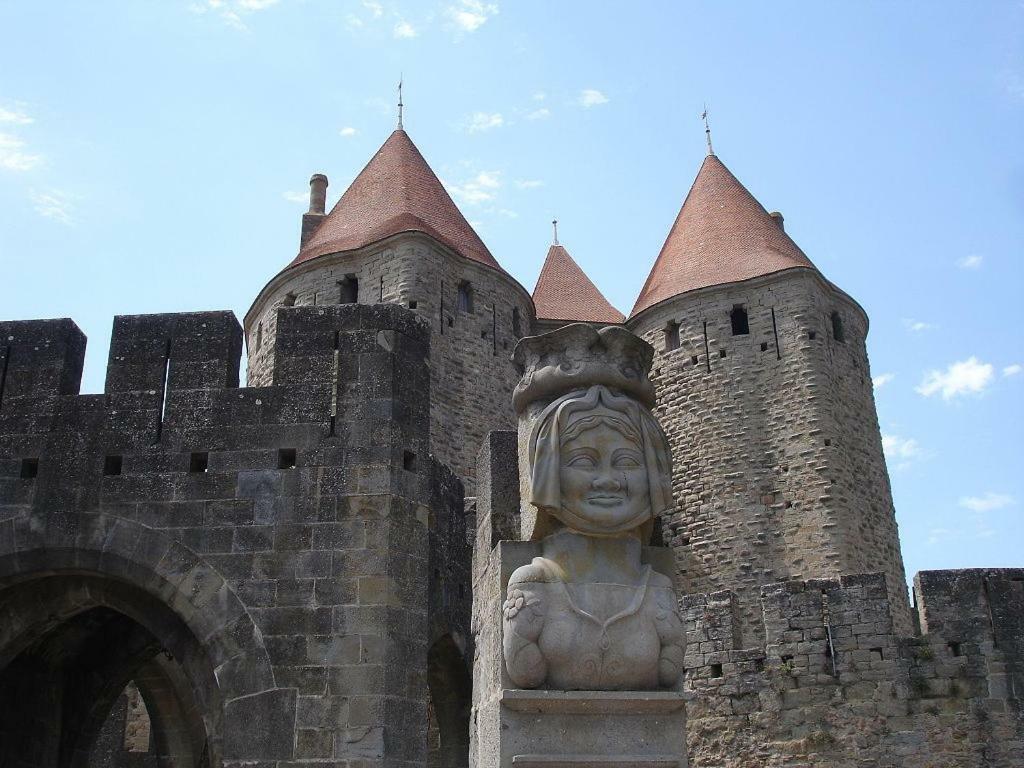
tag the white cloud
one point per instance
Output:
(508, 214)
(529, 183)
(15, 117)
(916, 326)
(231, 12)
(936, 535)
(347, 131)
(376, 9)
(539, 96)
(882, 379)
(404, 30)
(470, 15)
(968, 376)
(987, 503)
(12, 154)
(295, 197)
(1012, 370)
(970, 262)
(53, 204)
(900, 448)
(485, 121)
(539, 114)
(591, 97)
(479, 189)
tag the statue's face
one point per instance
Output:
(603, 479)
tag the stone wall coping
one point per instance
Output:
(608, 761)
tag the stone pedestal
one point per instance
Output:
(557, 729)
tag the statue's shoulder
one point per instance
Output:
(660, 581)
(539, 571)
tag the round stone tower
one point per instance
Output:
(764, 390)
(396, 236)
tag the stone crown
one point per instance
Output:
(577, 356)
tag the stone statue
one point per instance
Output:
(588, 614)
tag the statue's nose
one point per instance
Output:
(606, 481)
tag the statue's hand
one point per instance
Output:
(523, 621)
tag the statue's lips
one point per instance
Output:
(606, 501)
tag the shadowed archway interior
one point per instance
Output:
(71, 645)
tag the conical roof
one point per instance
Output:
(564, 292)
(396, 192)
(721, 235)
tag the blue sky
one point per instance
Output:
(154, 157)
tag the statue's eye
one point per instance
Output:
(581, 461)
(626, 462)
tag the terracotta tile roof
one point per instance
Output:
(396, 192)
(564, 292)
(721, 235)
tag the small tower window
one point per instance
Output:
(464, 301)
(348, 290)
(517, 329)
(289, 300)
(671, 336)
(259, 335)
(738, 317)
(837, 327)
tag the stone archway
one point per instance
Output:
(450, 691)
(89, 603)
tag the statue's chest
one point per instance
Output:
(600, 636)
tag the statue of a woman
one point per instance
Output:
(588, 614)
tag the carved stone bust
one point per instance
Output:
(588, 614)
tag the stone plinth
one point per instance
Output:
(558, 729)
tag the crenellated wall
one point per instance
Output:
(274, 566)
(778, 465)
(471, 372)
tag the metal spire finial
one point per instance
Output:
(400, 105)
(554, 223)
(707, 129)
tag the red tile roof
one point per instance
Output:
(721, 235)
(396, 192)
(564, 292)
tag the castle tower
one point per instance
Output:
(564, 294)
(396, 236)
(764, 389)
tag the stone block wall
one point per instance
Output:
(470, 368)
(835, 686)
(778, 465)
(271, 565)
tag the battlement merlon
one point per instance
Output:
(173, 378)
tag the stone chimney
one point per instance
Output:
(779, 219)
(317, 205)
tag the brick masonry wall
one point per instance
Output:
(282, 561)
(471, 374)
(779, 471)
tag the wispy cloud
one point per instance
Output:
(539, 96)
(13, 156)
(917, 326)
(529, 183)
(295, 197)
(882, 379)
(900, 451)
(477, 190)
(987, 502)
(484, 121)
(970, 262)
(53, 204)
(1012, 370)
(591, 97)
(232, 12)
(347, 131)
(966, 377)
(470, 15)
(404, 31)
(375, 9)
(15, 117)
(539, 114)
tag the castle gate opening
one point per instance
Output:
(70, 643)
